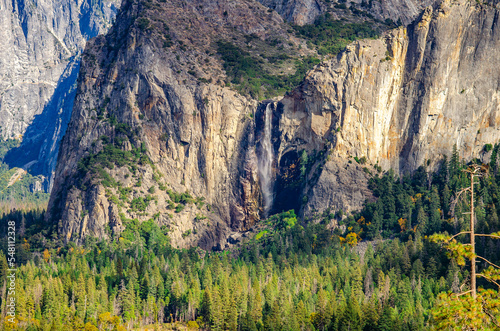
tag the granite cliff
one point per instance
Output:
(400, 101)
(306, 11)
(40, 46)
(159, 132)
(154, 94)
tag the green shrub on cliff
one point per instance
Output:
(331, 36)
(249, 75)
(110, 156)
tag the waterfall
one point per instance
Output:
(265, 165)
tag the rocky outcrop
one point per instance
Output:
(306, 11)
(40, 43)
(153, 86)
(402, 11)
(296, 11)
(401, 101)
(341, 187)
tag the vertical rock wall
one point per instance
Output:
(401, 101)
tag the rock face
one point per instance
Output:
(296, 11)
(306, 11)
(153, 86)
(401, 101)
(153, 119)
(40, 44)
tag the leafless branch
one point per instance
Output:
(488, 279)
(455, 201)
(493, 318)
(482, 258)
(463, 232)
(463, 293)
(487, 235)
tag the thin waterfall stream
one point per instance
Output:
(265, 163)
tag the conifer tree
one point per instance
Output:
(434, 212)
(322, 316)
(21, 301)
(452, 310)
(386, 321)
(216, 313)
(206, 305)
(370, 314)
(351, 318)
(80, 297)
(3, 268)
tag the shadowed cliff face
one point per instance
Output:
(40, 44)
(154, 119)
(401, 100)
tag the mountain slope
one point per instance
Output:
(306, 11)
(154, 93)
(167, 126)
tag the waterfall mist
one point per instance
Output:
(265, 164)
